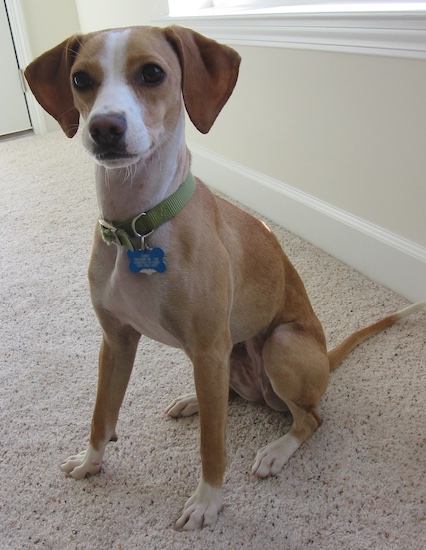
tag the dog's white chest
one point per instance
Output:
(134, 299)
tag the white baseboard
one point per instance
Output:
(382, 256)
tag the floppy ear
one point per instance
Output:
(209, 74)
(49, 79)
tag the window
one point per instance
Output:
(389, 28)
(256, 7)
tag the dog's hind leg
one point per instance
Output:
(116, 359)
(298, 368)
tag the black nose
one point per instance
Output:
(107, 129)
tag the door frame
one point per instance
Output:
(25, 56)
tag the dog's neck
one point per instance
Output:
(126, 192)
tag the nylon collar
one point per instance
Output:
(145, 223)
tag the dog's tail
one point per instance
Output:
(337, 354)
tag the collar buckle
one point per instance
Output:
(109, 232)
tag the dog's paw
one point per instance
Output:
(87, 463)
(185, 405)
(202, 508)
(271, 459)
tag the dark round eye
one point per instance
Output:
(152, 74)
(81, 80)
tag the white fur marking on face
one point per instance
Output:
(114, 58)
(116, 96)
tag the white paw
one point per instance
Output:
(185, 405)
(202, 508)
(271, 459)
(84, 464)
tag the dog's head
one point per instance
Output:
(128, 85)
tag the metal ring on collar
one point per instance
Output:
(142, 237)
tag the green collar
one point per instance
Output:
(144, 224)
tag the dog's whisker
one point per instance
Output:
(130, 174)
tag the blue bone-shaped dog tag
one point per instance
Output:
(147, 261)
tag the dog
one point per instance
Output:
(174, 262)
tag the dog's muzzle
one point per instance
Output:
(107, 133)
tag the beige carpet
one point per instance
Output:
(358, 483)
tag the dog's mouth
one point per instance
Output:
(116, 159)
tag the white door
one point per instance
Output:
(14, 115)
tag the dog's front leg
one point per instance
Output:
(211, 371)
(116, 359)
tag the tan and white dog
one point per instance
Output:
(244, 322)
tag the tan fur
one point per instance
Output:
(229, 297)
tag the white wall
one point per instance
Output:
(349, 130)
(47, 23)
(103, 14)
